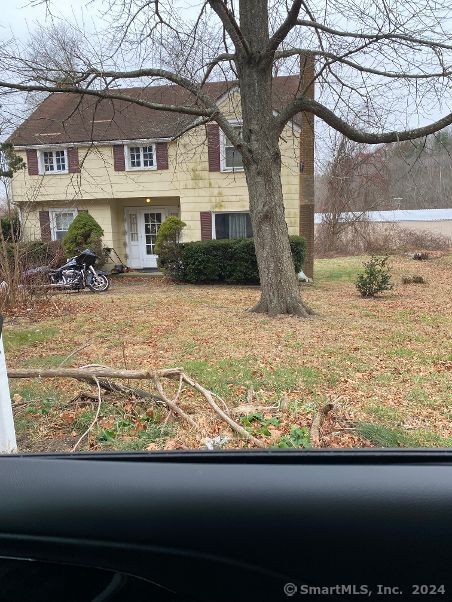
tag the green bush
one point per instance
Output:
(10, 227)
(169, 232)
(168, 249)
(230, 261)
(84, 232)
(376, 277)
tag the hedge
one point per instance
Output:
(230, 261)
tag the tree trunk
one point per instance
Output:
(279, 283)
(262, 163)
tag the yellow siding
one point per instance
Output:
(100, 210)
(187, 183)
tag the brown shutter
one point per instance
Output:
(32, 162)
(119, 161)
(206, 225)
(213, 146)
(162, 155)
(73, 161)
(44, 222)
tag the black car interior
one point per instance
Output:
(226, 526)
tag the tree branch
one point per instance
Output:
(110, 95)
(283, 30)
(210, 66)
(230, 24)
(377, 37)
(341, 59)
(353, 133)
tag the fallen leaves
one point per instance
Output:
(374, 353)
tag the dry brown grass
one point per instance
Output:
(387, 361)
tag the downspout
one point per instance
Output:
(306, 187)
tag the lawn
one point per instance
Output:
(386, 363)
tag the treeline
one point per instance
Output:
(408, 175)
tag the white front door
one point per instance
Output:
(152, 221)
(142, 228)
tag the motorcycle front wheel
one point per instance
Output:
(99, 283)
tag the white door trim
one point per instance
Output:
(136, 252)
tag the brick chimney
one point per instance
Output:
(307, 75)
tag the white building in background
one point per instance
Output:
(437, 221)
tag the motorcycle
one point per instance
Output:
(76, 274)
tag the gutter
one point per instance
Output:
(88, 144)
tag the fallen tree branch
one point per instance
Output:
(250, 409)
(210, 400)
(66, 359)
(91, 372)
(317, 423)
(172, 404)
(83, 374)
(95, 419)
(96, 374)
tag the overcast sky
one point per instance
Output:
(19, 16)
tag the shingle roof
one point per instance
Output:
(70, 118)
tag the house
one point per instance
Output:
(130, 167)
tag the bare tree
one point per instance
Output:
(420, 173)
(361, 46)
(355, 182)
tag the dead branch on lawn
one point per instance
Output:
(91, 371)
(317, 423)
(210, 400)
(172, 404)
(96, 417)
(98, 374)
(66, 359)
(251, 409)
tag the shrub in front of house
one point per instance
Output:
(10, 226)
(84, 232)
(169, 232)
(168, 249)
(231, 261)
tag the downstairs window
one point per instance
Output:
(232, 225)
(60, 220)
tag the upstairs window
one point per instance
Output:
(142, 157)
(232, 158)
(233, 225)
(54, 161)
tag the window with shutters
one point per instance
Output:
(60, 220)
(231, 158)
(53, 161)
(232, 225)
(141, 157)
